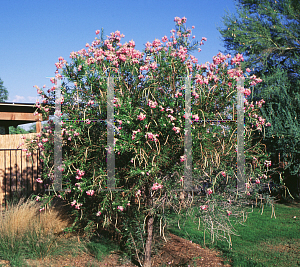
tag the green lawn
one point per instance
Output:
(263, 241)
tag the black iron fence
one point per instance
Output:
(19, 172)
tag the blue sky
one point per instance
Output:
(35, 33)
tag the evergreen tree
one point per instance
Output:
(32, 128)
(267, 33)
(3, 92)
(17, 130)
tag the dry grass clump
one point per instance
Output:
(25, 217)
(25, 232)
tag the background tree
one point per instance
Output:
(267, 33)
(17, 130)
(3, 92)
(32, 128)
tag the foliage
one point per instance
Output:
(267, 33)
(3, 92)
(149, 101)
(17, 130)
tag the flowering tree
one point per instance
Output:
(149, 107)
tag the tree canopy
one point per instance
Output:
(3, 92)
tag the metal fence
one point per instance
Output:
(18, 174)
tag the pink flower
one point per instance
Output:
(153, 65)
(209, 191)
(81, 173)
(90, 192)
(156, 186)
(176, 129)
(39, 180)
(45, 140)
(43, 208)
(196, 117)
(267, 163)
(61, 168)
(229, 212)
(120, 208)
(141, 117)
(78, 206)
(164, 39)
(97, 32)
(204, 207)
(257, 181)
(182, 158)
(98, 213)
(138, 193)
(152, 104)
(171, 117)
(73, 203)
(223, 173)
(37, 198)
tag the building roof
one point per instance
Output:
(13, 114)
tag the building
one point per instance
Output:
(14, 114)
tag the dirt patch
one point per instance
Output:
(176, 252)
(181, 252)
(81, 260)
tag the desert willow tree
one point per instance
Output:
(142, 97)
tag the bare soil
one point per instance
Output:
(176, 252)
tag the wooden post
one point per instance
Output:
(38, 126)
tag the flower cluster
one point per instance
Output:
(79, 174)
(90, 192)
(151, 136)
(156, 186)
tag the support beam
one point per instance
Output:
(19, 116)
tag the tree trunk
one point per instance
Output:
(147, 261)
